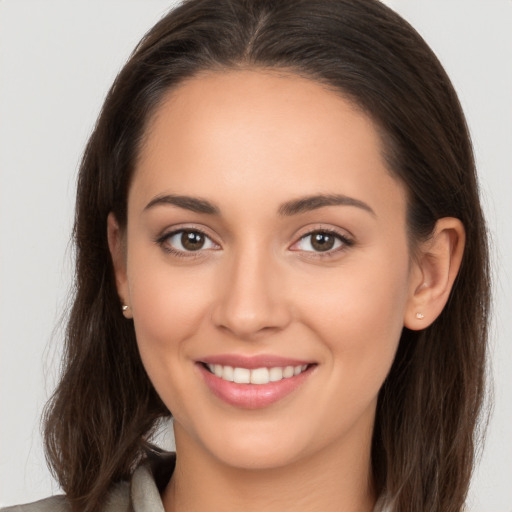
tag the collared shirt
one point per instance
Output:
(141, 494)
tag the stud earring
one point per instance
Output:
(420, 316)
(126, 311)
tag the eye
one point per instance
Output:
(321, 241)
(187, 240)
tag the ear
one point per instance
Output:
(433, 272)
(116, 245)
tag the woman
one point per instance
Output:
(279, 241)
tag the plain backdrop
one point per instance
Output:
(57, 60)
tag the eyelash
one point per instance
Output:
(345, 243)
(161, 241)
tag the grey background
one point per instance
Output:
(57, 60)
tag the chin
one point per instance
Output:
(245, 445)
(251, 458)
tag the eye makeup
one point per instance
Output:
(192, 242)
(186, 242)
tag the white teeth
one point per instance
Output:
(256, 375)
(260, 376)
(228, 373)
(242, 375)
(288, 372)
(276, 374)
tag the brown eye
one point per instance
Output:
(186, 241)
(322, 241)
(192, 240)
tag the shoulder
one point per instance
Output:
(53, 504)
(140, 494)
(117, 500)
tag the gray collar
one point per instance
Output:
(149, 480)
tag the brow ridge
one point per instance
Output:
(193, 204)
(289, 208)
(309, 203)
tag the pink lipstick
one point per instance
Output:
(253, 382)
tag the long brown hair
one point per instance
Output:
(105, 408)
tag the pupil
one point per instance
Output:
(192, 240)
(322, 241)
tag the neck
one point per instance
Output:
(333, 480)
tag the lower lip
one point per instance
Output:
(252, 396)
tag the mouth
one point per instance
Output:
(256, 376)
(253, 383)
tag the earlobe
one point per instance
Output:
(117, 252)
(435, 269)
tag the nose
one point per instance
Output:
(252, 298)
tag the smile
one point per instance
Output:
(256, 376)
(254, 382)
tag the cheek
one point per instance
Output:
(169, 306)
(359, 319)
(168, 303)
(358, 311)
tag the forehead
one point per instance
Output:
(261, 131)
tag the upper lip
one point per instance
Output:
(251, 362)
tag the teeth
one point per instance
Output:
(260, 376)
(242, 375)
(275, 374)
(257, 375)
(288, 372)
(228, 373)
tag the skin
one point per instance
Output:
(248, 142)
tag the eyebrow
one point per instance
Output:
(193, 204)
(306, 204)
(289, 208)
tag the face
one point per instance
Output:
(266, 267)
